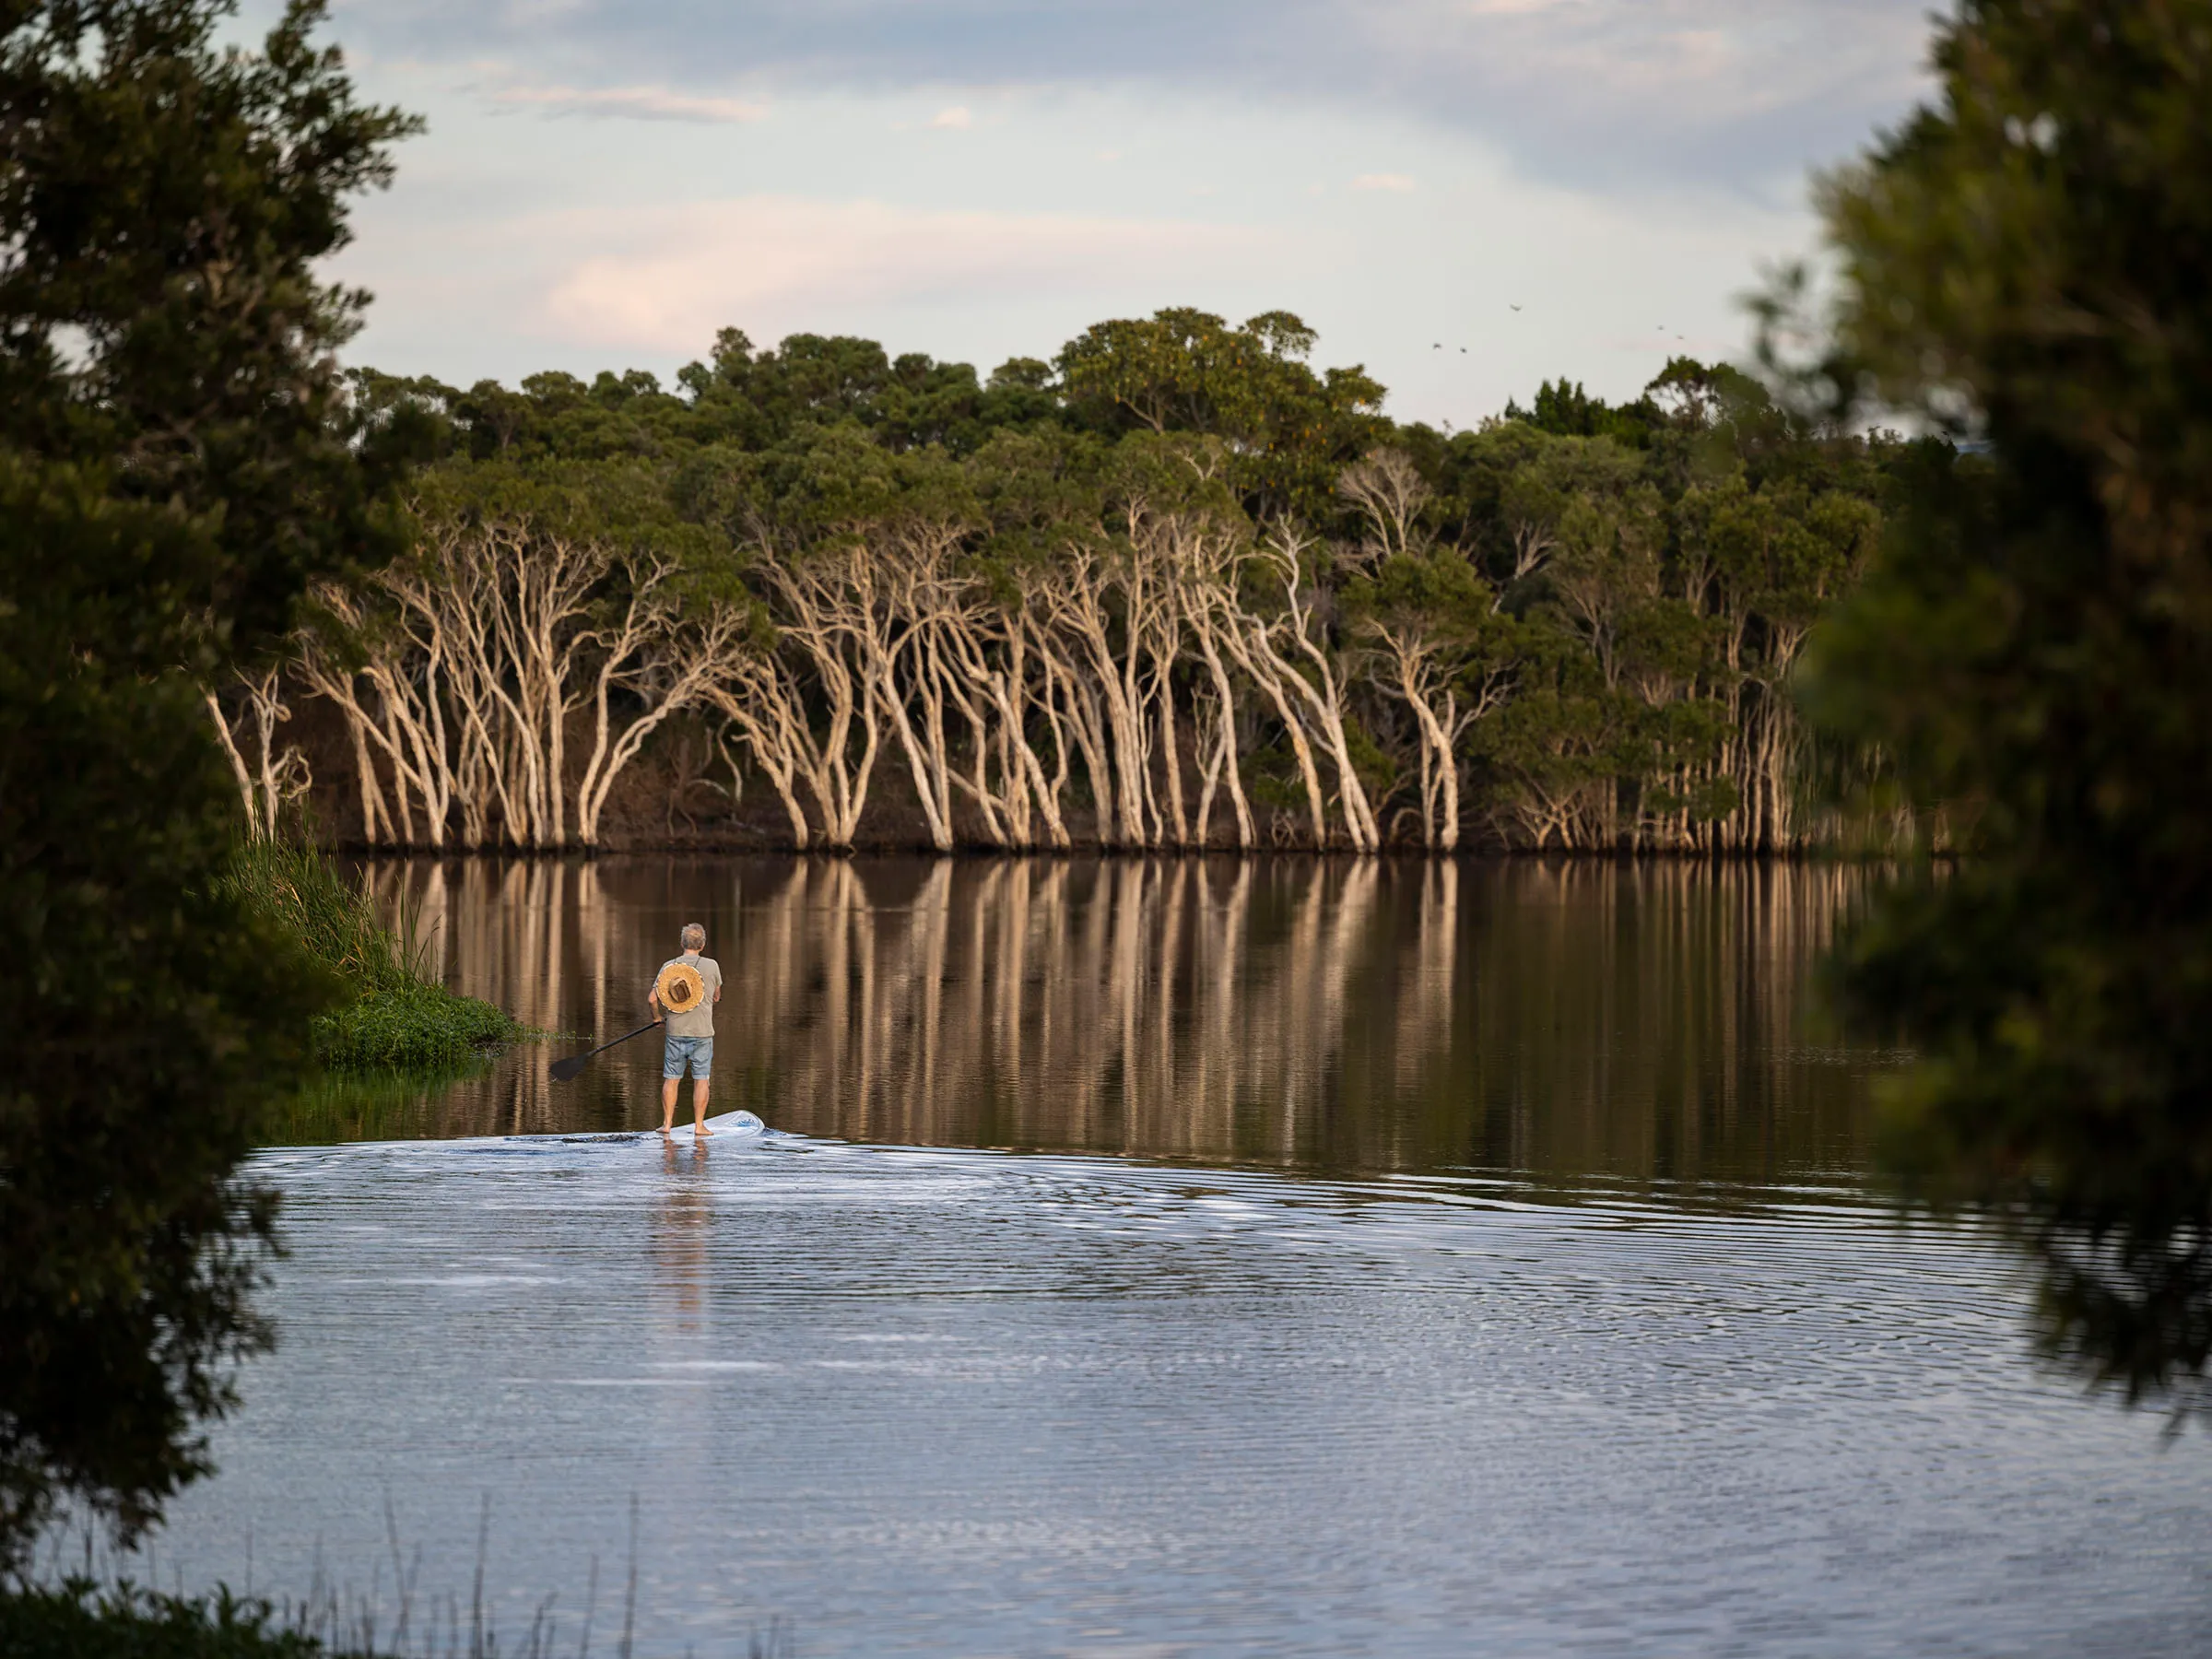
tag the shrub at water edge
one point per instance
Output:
(395, 1019)
(75, 1623)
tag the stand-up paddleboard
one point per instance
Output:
(728, 1126)
(740, 1123)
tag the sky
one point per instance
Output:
(1464, 196)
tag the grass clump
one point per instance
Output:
(397, 1018)
(75, 1621)
(409, 1028)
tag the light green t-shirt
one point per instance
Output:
(699, 1021)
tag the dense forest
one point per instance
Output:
(1174, 588)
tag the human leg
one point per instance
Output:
(674, 1053)
(702, 1067)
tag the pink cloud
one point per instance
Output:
(644, 103)
(669, 276)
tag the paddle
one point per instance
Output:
(565, 1069)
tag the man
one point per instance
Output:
(683, 997)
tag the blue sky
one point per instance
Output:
(604, 184)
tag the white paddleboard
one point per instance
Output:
(731, 1125)
(728, 1122)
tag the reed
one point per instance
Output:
(82, 1616)
(397, 1018)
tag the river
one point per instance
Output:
(1155, 1257)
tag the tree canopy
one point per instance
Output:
(2028, 264)
(1567, 628)
(176, 465)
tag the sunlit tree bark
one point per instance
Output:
(1287, 658)
(277, 775)
(665, 663)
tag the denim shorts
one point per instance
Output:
(699, 1051)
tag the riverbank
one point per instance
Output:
(769, 846)
(75, 1621)
(397, 1018)
(670, 801)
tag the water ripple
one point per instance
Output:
(932, 1401)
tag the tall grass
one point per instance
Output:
(305, 890)
(81, 1620)
(398, 1017)
(77, 1621)
(84, 1615)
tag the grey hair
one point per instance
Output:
(694, 937)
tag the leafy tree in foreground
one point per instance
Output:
(173, 468)
(2030, 260)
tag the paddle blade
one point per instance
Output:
(565, 1069)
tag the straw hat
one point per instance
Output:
(680, 988)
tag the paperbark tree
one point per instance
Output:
(1288, 656)
(815, 604)
(277, 776)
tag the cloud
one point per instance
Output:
(641, 103)
(1730, 90)
(670, 277)
(1397, 183)
(957, 119)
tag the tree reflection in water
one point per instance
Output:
(1575, 1019)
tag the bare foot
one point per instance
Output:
(701, 1131)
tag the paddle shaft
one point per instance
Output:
(565, 1069)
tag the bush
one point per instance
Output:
(73, 1622)
(409, 1028)
(397, 1018)
(305, 892)
(151, 1018)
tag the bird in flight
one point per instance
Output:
(1513, 307)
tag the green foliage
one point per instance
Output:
(152, 1017)
(1377, 768)
(175, 463)
(394, 1019)
(304, 894)
(1184, 370)
(165, 202)
(412, 1027)
(622, 503)
(77, 1621)
(1565, 410)
(1681, 561)
(743, 400)
(2031, 258)
(1640, 577)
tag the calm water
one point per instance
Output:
(1152, 1259)
(1368, 1015)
